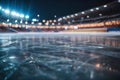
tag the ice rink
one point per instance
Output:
(60, 56)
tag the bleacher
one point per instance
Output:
(109, 21)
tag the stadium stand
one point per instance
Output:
(105, 18)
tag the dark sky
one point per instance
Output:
(48, 8)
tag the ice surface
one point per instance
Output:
(58, 56)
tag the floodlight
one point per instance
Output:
(105, 6)
(68, 16)
(44, 21)
(16, 21)
(26, 16)
(53, 24)
(76, 14)
(97, 8)
(0, 7)
(100, 14)
(26, 22)
(17, 14)
(3, 9)
(7, 11)
(21, 21)
(13, 13)
(34, 20)
(38, 15)
(8, 20)
(83, 12)
(22, 15)
(88, 16)
(72, 15)
(32, 23)
(64, 17)
(40, 24)
(92, 10)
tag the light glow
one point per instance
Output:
(76, 14)
(83, 12)
(7, 11)
(16, 21)
(105, 6)
(8, 20)
(22, 15)
(92, 10)
(26, 16)
(12, 57)
(97, 8)
(3, 9)
(13, 13)
(0, 7)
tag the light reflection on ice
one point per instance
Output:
(64, 57)
(12, 57)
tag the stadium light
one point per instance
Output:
(76, 14)
(100, 14)
(118, 0)
(13, 13)
(88, 16)
(26, 22)
(8, 20)
(17, 14)
(44, 21)
(38, 15)
(53, 24)
(97, 8)
(40, 23)
(64, 17)
(21, 21)
(26, 16)
(22, 15)
(50, 21)
(7, 11)
(34, 20)
(69, 22)
(3, 9)
(72, 15)
(0, 7)
(32, 23)
(16, 21)
(92, 10)
(59, 19)
(105, 6)
(83, 12)
(55, 21)
(68, 16)
(55, 16)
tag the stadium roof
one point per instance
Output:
(104, 10)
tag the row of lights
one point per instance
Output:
(13, 13)
(73, 15)
(32, 23)
(46, 22)
(16, 21)
(102, 24)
